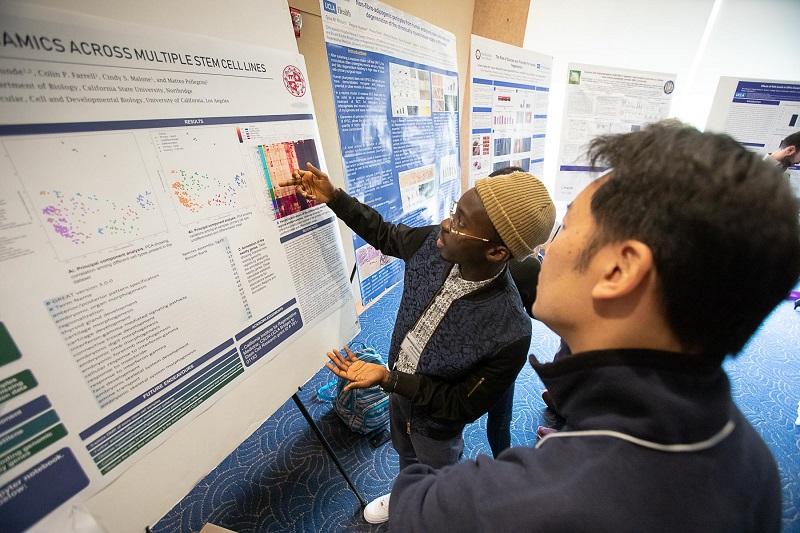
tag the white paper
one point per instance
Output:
(149, 260)
(599, 101)
(510, 89)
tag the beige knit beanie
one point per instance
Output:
(520, 209)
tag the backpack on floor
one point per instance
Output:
(362, 410)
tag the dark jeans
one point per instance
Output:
(498, 423)
(416, 448)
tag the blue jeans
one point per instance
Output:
(498, 423)
(415, 448)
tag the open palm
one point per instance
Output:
(359, 373)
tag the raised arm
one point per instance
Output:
(397, 240)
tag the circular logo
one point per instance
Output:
(669, 87)
(294, 81)
(477, 53)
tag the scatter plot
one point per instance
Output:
(196, 190)
(80, 217)
(99, 197)
(204, 172)
(278, 161)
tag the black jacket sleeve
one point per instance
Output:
(467, 399)
(397, 240)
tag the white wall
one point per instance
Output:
(748, 39)
(645, 35)
(745, 38)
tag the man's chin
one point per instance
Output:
(445, 254)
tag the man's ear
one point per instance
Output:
(498, 253)
(625, 266)
(790, 150)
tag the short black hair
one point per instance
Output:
(792, 140)
(721, 223)
(506, 170)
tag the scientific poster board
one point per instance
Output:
(603, 100)
(150, 263)
(395, 89)
(759, 114)
(508, 120)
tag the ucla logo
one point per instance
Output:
(329, 6)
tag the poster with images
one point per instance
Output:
(150, 262)
(759, 114)
(510, 89)
(603, 100)
(395, 88)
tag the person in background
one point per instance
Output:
(524, 273)
(788, 152)
(788, 155)
(461, 334)
(662, 268)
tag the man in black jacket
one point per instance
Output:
(461, 334)
(662, 268)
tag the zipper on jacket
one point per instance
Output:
(408, 426)
(478, 384)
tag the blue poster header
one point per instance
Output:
(757, 92)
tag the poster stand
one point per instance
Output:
(327, 446)
(318, 432)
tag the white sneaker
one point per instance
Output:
(377, 511)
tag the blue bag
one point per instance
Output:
(362, 410)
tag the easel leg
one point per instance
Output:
(326, 445)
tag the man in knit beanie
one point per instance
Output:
(519, 208)
(638, 284)
(461, 334)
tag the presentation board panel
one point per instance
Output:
(508, 119)
(395, 89)
(150, 261)
(599, 101)
(759, 114)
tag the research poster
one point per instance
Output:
(510, 89)
(395, 89)
(599, 101)
(759, 114)
(149, 259)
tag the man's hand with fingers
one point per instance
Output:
(360, 374)
(312, 184)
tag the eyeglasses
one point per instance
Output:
(538, 252)
(452, 216)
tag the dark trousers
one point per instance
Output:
(498, 423)
(414, 448)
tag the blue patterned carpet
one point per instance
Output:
(280, 479)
